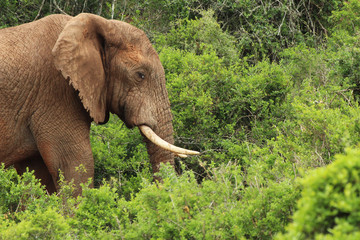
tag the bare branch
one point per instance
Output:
(282, 22)
(113, 9)
(38, 14)
(59, 8)
(123, 13)
(83, 9)
(100, 7)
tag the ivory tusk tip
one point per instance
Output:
(191, 152)
(150, 134)
(181, 155)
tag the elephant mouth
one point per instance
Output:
(155, 139)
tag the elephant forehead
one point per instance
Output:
(132, 57)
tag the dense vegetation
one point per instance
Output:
(267, 90)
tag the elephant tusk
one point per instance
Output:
(151, 135)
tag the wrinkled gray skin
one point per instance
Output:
(60, 73)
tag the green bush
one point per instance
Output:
(41, 224)
(18, 192)
(27, 211)
(97, 212)
(347, 18)
(222, 207)
(329, 206)
(198, 35)
(264, 28)
(119, 153)
(209, 99)
(323, 115)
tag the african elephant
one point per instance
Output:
(60, 73)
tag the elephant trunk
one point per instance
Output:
(157, 154)
(160, 144)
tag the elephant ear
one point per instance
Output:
(80, 56)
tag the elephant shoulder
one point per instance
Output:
(54, 20)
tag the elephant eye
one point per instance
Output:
(141, 75)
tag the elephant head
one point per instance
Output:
(114, 68)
